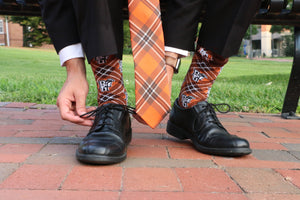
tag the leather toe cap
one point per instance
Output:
(102, 146)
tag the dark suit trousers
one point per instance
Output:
(222, 30)
(97, 24)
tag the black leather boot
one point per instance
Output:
(107, 140)
(201, 125)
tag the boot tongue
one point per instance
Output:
(105, 122)
(104, 119)
(208, 114)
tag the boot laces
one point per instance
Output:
(211, 114)
(104, 116)
(105, 109)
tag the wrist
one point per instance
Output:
(173, 60)
(75, 66)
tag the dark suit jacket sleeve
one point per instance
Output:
(60, 21)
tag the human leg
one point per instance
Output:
(192, 117)
(100, 25)
(107, 140)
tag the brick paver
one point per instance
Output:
(37, 161)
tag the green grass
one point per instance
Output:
(33, 75)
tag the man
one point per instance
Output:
(220, 36)
(95, 28)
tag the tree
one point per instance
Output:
(287, 40)
(280, 28)
(34, 30)
(252, 30)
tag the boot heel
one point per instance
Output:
(175, 131)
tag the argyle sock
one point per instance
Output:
(108, 75)
(204, 69)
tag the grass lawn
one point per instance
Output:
(34, 75)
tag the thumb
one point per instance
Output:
(80, 106)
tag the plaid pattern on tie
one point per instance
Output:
(151, 81)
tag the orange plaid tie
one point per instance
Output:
(151, 82)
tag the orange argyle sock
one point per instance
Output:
(108, 75)
(204, 69)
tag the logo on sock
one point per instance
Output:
(204, 54)
(185, 100)
(101, 59)
(198, 76)
(105, 85)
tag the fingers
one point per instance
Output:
(73, 117)
(89, 109)
(88, 113)
(80, 105)
(72, 98)
(68, 112)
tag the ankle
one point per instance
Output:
(108, 75)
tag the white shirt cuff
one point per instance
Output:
(181, 52)
(69, 52)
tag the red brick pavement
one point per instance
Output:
(37, 161)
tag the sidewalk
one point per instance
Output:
(37, 161)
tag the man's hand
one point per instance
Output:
(72, 97)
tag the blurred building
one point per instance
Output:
(267, 44)
(10, 34)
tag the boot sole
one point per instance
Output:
(180, 133)
(99, 159)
